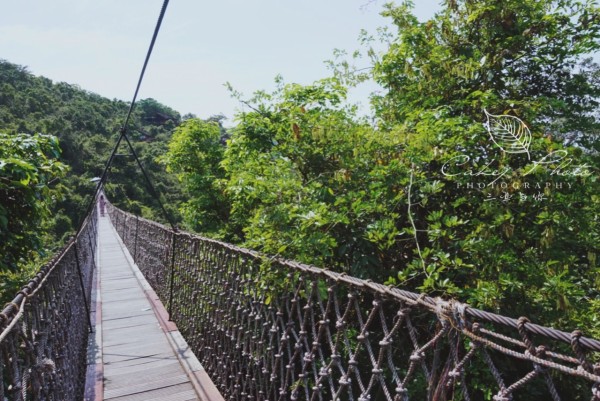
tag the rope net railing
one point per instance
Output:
(44, 330)
(272, 329)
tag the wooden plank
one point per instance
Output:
(111, 324)
(119, 285)
(116, 391)
(136, 305)
(136, 364)
(120, 346)
(117, 342)
(118, 370)
(119, 335)
(134, 377)
(127, 296)
(139, 361)
(136, 308)
(109, 356)
(173, 393)
(125, 312)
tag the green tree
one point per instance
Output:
(287, 162)
(154, 112)
(427, 198)
(195, 153)
(28, 167)
(476, 239)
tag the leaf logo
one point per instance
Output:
(509, 133)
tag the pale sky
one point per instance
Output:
(100, 45)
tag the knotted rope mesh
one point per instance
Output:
(272, 329)
(44, 330)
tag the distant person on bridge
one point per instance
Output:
(102, 205)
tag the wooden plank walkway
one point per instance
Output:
(139, 355)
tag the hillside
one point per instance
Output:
(87, 127)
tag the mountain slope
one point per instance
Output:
(87, 126)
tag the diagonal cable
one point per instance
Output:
(123, 130)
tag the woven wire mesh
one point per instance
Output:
(271, 329)
(44, 330)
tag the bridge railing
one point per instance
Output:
(44, 330)
(272, 329)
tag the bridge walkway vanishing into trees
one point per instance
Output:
(263, 328)
(138, 353)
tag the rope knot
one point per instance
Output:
(451, 311)
(443, 309)
(575, 336)
(401, 391)
(540, 351)
(417, 356)
(596, 392)
(579, 350)
(46, 365)
(502, 396)
(521, 322)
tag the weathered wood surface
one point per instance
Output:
(139, 362)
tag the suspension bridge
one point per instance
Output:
(133, 310)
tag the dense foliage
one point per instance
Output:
(28, 166)
(433, 195)
(531, 232)
(195, 151)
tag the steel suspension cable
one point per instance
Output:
(123, 130)
(148, 54)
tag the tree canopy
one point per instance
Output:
(477, 179)
(28, 167)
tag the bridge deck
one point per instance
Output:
(139, 355)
